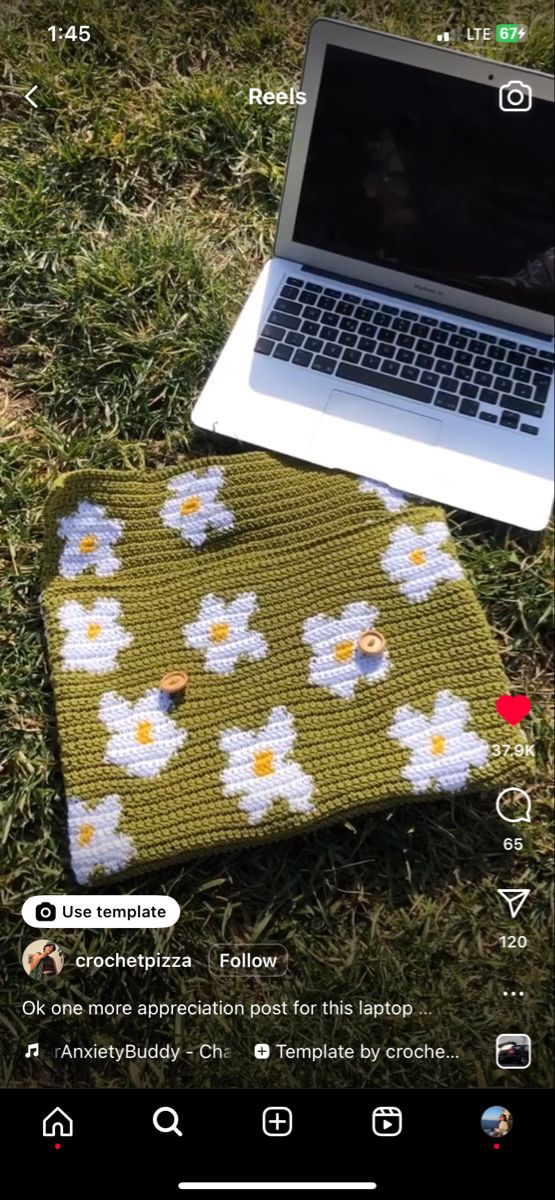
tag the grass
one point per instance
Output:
(136, 207)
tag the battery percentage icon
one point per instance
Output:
(511, 33)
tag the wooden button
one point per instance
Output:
(372, 642)
(174, 681)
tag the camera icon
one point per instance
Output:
(45, 912)
(515, 96)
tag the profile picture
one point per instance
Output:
(42, 959)
(496, 1121)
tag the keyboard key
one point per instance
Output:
(382, 319)
(332, 292)
(446, 400)
(501, 368)
(449, 385)
(483, 378)
(448, 325)
(548, 355)
(521, 375)
(313, 344)
(272, 331)
(384, 350)
(476, 347)
(361, 314)
(504, 385)
(295, 282)
(488, 337)
(463, 373)
(348, 324)
(467, 332)
(429, 378)
(533, 429)
(439, 336)
(509, 420)
(344, 310)
(425, 361)
(329, 318)
(496, 352)
(536, 364)
(371, 361)
(332, 350)
(527, 349)
(294, 339)
(463, 357)
(487, 396)
(468, 408)
(428, 320)
(350, 298)
(401, 325)
(288, 306)
(507, 343)
(405, 356)
(329, 332)
(482, 364)
(487, 416)
(390, 308)
(409, 316)
(264, 346)
(444, 368)
(404, 339)
(409, 373)
(310, 327)
(310, 313)
(444, 352)
(469, 390)
(424, 347)
(390, 367)
(283, 351)
(376, 379)
(458, 342)
(515, 359)
(370, 304)
(301, 358)
(289, 293)
(281, 318)
(541, 392)
(420, 330)
(352, 356)
(527, 407)
(325, 365)
(314, 287)
(348, 339)
(307, 297)
(386, 335)
(368, 329)
(326, 303)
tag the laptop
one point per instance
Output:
(403, 330)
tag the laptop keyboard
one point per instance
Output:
(498, 380)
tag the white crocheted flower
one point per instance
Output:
(442, 750)
(94, 636)
(392, 499)
(89, 536)
(93, 839)
(415, 561)
(143, 738)
(337, 662)
(222, 631)
(260, 770)
(192, 507)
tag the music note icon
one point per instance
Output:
(32, 1050)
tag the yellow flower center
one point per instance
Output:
(219, 632)
(438, 743)
(143, 733)
(93, 630)
(263, 763)
(418, 557)
(88, 543)
(190, 506)
(344, 651)
(86, 833)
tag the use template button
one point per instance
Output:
(268, 958)
(100, 912)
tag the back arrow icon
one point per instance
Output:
(30, 93)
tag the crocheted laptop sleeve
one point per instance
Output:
(249, 647)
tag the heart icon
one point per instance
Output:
(513, 708)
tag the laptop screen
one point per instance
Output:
(424, 173)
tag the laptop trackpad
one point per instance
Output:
(345, 409)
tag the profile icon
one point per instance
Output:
(42, 960)
(496, 1121)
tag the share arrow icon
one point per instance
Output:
(514, 897)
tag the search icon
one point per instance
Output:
(525, 816)
(173, 1127)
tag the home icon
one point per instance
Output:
(57, 1124)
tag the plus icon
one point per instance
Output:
(277, 1122)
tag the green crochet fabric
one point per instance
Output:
(257, 577)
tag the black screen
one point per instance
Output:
(424, 173)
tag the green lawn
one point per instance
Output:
(136, 207)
